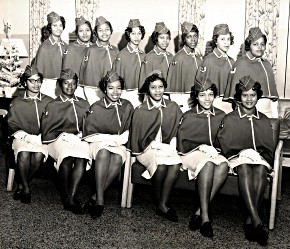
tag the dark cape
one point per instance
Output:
(147, 120)
(194, 129)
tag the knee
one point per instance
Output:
(37, 157)
(23, 156)
(103, 154)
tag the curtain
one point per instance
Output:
(193, 11)
(87, 9)
(265, 15)
(38, 10)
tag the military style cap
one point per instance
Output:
(186, 27)
(255, 33)
(145, 86)
(246, 83)
(100, 20)
(161, 28)
(53, 17)
(202, 84)
(221, 29)
(133, 23)
(80, 21)
(31, 70)
(112, 76)
(67, 74)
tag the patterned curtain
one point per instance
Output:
(38, 10)
(265, 14)
(193, 11)
(87, 9)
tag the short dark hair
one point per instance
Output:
(215, 37)
(193, 101)
(152, 78)
(24, 77)
(60, 81)
(249, 41)
(128, 30)
(90, 27)
(48, 26)
(109, 24)
(256, 87)
(103, 83)
(183, 35)
(154, 36)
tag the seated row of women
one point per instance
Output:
(91, 59)
(204, 140)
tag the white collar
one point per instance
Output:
(53, 42)
(133, 50)
(87, 44)
(37, 96)
(243, 114)
(118, 102)
(201, 110)
(151, 103)
(160, 52)
(104, 46)
(65, 99)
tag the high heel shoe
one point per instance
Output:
(195, 222)
(261, 235)
(25, 198)
(169, 215)
(17, 194)
(75, 207)
(249, 232)
(206, 229)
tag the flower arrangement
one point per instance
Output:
(10, 71)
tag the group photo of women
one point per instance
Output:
(86, 105)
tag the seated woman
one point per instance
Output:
(106, 128)
(246, 139)
(196, 143)
(24, 126)
(153, 141)
(62, 130)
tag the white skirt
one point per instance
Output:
(96, 146)
(19, 145)
(195, 161)
(237, 161)
(60, 150)
(151, 158)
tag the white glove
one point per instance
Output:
(208, 150)
(70, 138)
(251, 154)
(33, 139)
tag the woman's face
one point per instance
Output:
(33, 85)
(84, 32)
(113, 91)
(57, 28)
(68, 88)
(104, 32)
(163, 41)
(135, 36)
(205, 99)
(191, 40)
(224, 42)
(258, 47)
(156, 90)
(249, 99)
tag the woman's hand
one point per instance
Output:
(251, 154)
(33, 139)
(210, 151)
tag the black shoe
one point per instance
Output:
(195, 222)
(96, 211)
(26, 198)
(206, 229)
(261, 235)
(169, 215)
(17, 194)
(249, 232)
(89, 205)
(75, 208)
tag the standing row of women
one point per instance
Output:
(91, 61)
(203, 141)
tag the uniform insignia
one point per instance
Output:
(174, 62)
(118, 59)
(202, 69)
(86, 58)
(233, 70)
(65, 52)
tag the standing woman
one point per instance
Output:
(250, 152)
(24, 126)
(217, 65)
(98, 60)
(199, 151)
(62, 130)
(107, 137)
(158, 58)
(77, 49)
(153, 141)
(260, 70)
(183, 67)
(128, 61)
(49, 56)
